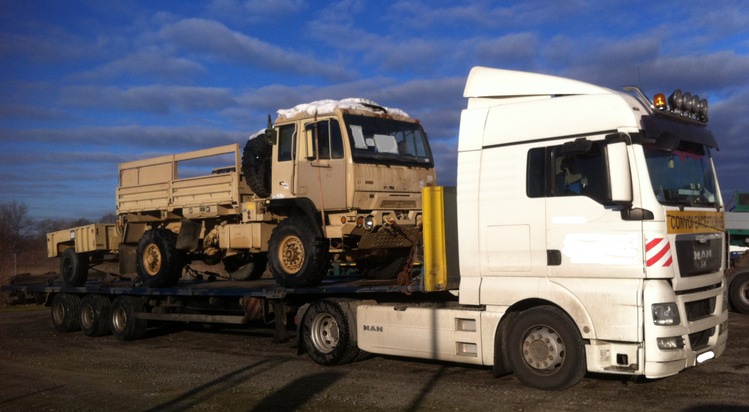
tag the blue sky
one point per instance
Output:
(85, 85)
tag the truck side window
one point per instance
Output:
(286, 146)
(329, 142)
(552, 173)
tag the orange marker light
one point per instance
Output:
(659, 101)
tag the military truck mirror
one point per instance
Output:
(309, 138)
(270, 133)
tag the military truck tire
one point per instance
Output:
(297, 256)
(73, 267)
(124, 324)
(65, 311)
(247, 267)
(327, 334)
(545, 349)
(158, 262)
(739, 293)
(95, 313)
(256, 165)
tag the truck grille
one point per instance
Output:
(699, 254)
(699, 309)
(699, 340)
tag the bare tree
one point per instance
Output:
(16, 226)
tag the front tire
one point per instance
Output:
(73, 267)
(327, 333)
(124, 324)
(297, 256)
(739, 293)
(545, 349)
(95, 315)
(158, 261)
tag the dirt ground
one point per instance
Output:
(181, 367)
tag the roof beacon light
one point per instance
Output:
(659, 101)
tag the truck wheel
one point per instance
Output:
(545, 349)
(95, 315)
(247, 267)
(327, 334)
(65, 311)
(256, 165)
(124, 324)
(739, 293)
(73, 267)
(158, 261)
(296, 255)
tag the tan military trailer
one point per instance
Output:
(328, 181)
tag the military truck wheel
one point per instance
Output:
(95, 313)
(545, 349)
(256, 165)
(65, 312)
(73, 267)
(739, 293)
(158, 261)
(246, 267)
(328, 336)
(124, 324)
(297, 256)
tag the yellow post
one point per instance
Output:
(435, 257)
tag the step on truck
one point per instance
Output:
(329, 181)
(585, 234)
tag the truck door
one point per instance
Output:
(284, 163)
(322, 171)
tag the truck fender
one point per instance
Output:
(286, 207)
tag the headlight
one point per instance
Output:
(666, 314)
(369, 222)
(675, 342)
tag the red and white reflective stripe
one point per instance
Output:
(658, 253)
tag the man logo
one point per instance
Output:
(372, 328)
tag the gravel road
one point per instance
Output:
(180, 367)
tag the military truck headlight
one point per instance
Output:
(666, 314)
(369, 222)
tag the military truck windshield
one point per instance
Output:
(386, 141)
(682, 177)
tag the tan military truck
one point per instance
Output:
(328, 181)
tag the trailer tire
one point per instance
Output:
(739, 293)
(545, 349)
(158, 261)
(73, 267)
(248, 267)
(256, 165)
(297, 255)
(124, 324)
(328, 335)
(65, 311)
(95, 315)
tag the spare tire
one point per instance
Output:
(256, 165)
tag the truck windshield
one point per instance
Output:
(386, 141)
(682, 177)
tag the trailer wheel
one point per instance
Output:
(328, 337)
(158, 261)
(65, 312)
(739, 293)
(545, 349)
(95, 315)
(256, 165)
(297, 255)
(247, 267)
(73, 267)
(124, 324)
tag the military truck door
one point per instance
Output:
(322, 169)
(284, 156)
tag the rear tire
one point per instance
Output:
(545, 349)
(247, 267)
(124, 324)
(65, 311)
(739, 293)
(328, 337)
(95, 315)
(158, 261)
(73, 267)
(297, 256)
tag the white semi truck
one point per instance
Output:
(585, 235)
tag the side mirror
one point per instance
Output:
(270, 133)
(309, 147)
(620, 177)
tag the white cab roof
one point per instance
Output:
(488, 82)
